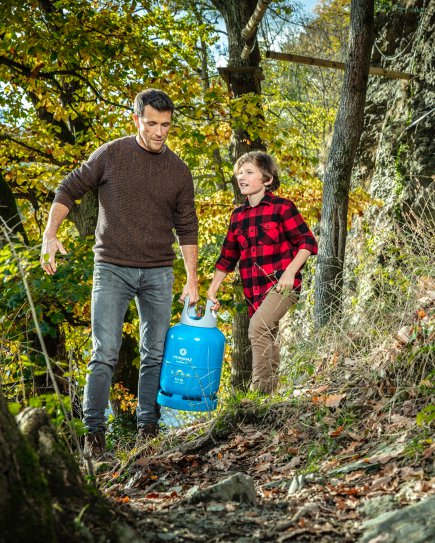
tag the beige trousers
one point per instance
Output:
(264, 337)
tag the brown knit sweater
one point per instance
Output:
(142, 197)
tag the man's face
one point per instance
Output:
(153, 128)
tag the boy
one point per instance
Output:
(271, 241)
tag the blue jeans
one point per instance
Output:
(113, 289)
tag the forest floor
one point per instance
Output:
(350, 456)
(297, 498)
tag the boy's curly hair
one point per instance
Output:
(265, 163)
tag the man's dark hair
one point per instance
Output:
(155, 98)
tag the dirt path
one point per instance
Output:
(315, 480)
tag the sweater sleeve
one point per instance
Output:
(185, 219)
(83, 179)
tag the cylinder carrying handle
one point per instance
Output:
(189, 316)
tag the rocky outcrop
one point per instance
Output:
(413, 524)
(396, 157)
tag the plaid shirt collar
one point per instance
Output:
(266, 200)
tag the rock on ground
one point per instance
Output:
(413, 524)
(239, 488)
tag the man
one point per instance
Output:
(144, 192)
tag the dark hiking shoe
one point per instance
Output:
(95, 445)
(146, 432)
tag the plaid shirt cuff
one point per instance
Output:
(225, 265)
(310, 245)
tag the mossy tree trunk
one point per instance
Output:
(42, 491)
(25, 501)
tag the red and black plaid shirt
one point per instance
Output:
(265, 239)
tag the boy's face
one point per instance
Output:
(153, 127)
(251, 181)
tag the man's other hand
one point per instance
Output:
(191, 290)
(50, 246)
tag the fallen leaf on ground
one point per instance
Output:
(337, 431)
(263, 466)
(290, 465)
(333, 400)
(404, 334)
(320, 389)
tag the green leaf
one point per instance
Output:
(14, 408)
(426, 416)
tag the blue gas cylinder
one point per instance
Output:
(192, 362)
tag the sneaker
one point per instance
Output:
(95, 445)
(147, 431)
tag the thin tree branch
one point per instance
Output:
(250, 31)
(46, 155)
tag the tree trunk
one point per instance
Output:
(241, 367)
(84, 216)
(347, 132)
(25, 503)
(43, 496)
(9, 210)
(236, 16)
(125, 371)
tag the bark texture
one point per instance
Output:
(347, 131)
(85, 215)
(43, 496)
(25, 508)
(9, 210)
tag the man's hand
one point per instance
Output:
(191, 290)
(190, 257)
(50, 246)
(50, 243)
